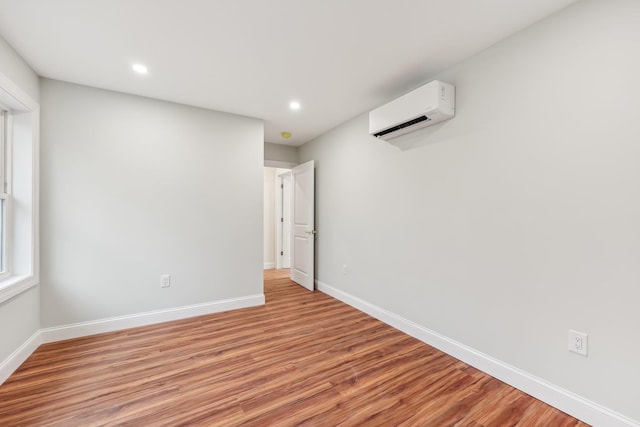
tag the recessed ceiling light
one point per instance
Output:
(139, 68)
(294, 105)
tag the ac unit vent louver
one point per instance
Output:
(402, 126)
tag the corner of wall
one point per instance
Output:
(18, 70)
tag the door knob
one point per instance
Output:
(311, 232)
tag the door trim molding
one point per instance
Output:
(279, 164)
(279, 213)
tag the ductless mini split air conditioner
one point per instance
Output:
(427, 105)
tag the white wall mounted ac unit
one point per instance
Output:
(427, 105)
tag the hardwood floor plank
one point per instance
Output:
(301, 359)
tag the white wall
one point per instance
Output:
(19, 316)
(15, 68)
(280, 153)
(133, 188)
(516, 220)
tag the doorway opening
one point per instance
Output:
(289, 221)
(277, 218)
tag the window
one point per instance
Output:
(4, 187)
(19, 117)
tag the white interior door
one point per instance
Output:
(303, 236)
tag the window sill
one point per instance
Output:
(12, 286)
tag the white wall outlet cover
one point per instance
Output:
(165, 281)
(578, 342)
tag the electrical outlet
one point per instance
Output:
(578, 342)
(345, 269)
(165, 281)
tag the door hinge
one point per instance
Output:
(282, 186)
(281, 219)
(281, 253)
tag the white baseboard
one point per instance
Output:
(58, 333)
(17, 358)
(269, 265)
(571, 403)
(82, 329)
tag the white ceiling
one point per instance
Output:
(339, 58)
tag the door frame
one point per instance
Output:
(274, 164)
(280, 213)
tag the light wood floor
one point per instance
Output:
(303, 358)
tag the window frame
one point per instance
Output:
(21, 169)
(5, 191)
